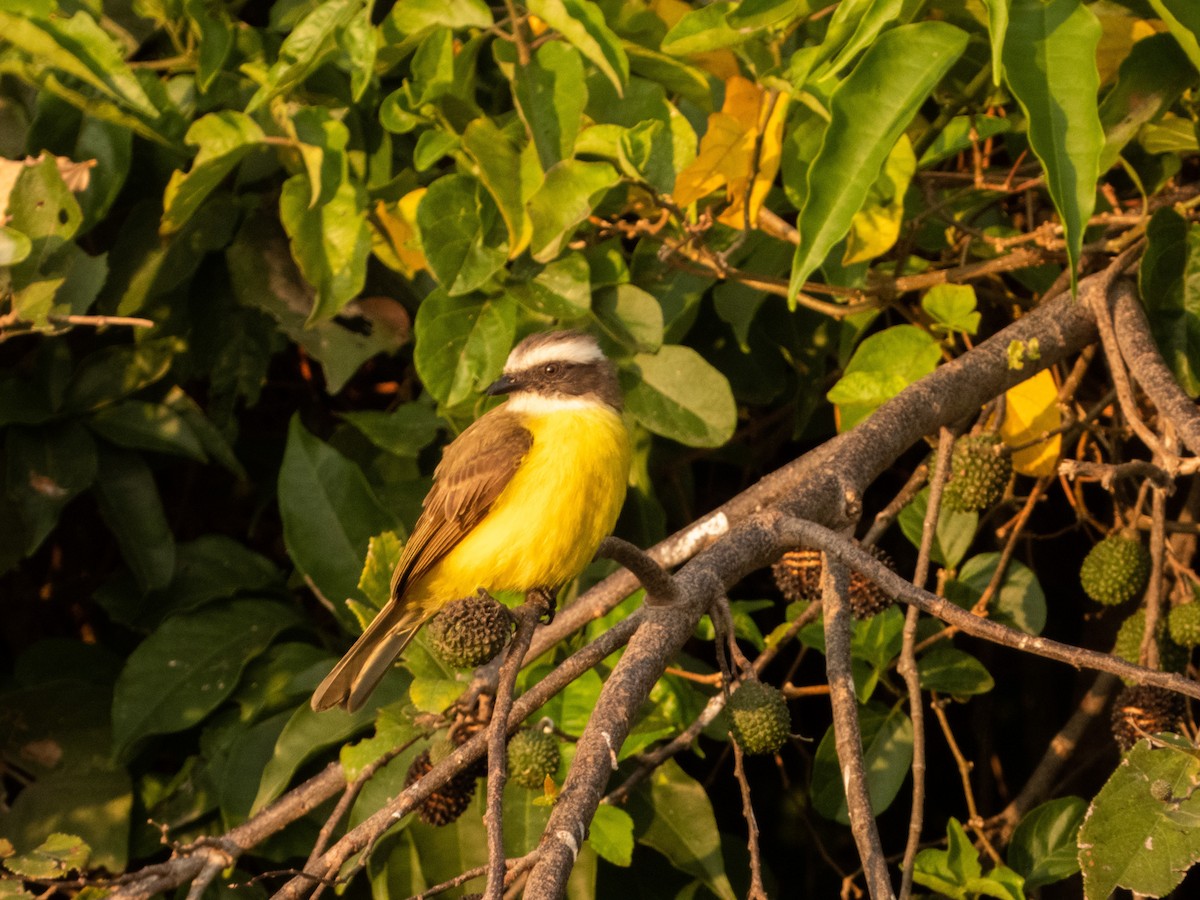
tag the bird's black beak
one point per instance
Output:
(501, 385)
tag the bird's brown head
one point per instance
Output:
(553, 368)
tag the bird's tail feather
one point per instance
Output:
(365, 663)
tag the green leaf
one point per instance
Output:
(55, 857)
(561, 290)
(1050, 66)
(887, 737)
(138, 425)
(15, 246)
(458, 223)
(307, 733)
(47, 466)
(375, 582)
(956, 872)
(329, 515)
(215, 36)
(703, 30)
(1169, 282)
(953, 535)
(186, 668)
(77, 46)
(997, 29)
(869, 110)
(550, 95)
(131, 507)
(224, 139)
(330, 242)
(113, 373)
(570, 192)
(415, 16)
(1140, 832)
(405, 431)
(1043, 847)
(360, 42)
(759, 14)
(952, 308)
(677, 393)
(952, 671)
(498, 159)
(1182, 19)
(462, 343)
(631, 319)
(1020, 603)
(682, 827)
(611, 834)
(882, 366)
(305, 48)
(1151, 78)
(582, 23)
(959, 134)
(688, 81)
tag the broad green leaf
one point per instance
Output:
(875, 228)
(1140, 831)
(1169, 282)
(147, 426)
(550, 95)
(1020, 603)
(330, 243)
(305, 48)
(460, 227)
(954, 533)
(952, 671)
(566, 198)
(882, 366)
(1151, 78)
(462, 343)
(630, 318)
(77, 46)
(224, 138)
(760, 14)
(997, 30)
(47, 466)
(1050, 66)
(676, 76)
(869, 111)
(56, 857)
(887, 737)
(113, 373)
(405, 431)
(1043, 847)
(360, 43)
(956, 871)
(132, 508)
(859, 24)
(186, 668)
(680, 395)
(952, 308)
(582, 24)
(703, 30)
(1182, 19)
(415, 16)
(681, 826)
(215, 36)
(329, 514)
(611, 834)
(562, 289)
(15, 247)
(498, 159)
(307, 733)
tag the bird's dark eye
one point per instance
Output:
(550, 368)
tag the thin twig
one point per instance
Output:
(757, 891)
(535, 606)
(974, 822)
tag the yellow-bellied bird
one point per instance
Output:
(520, 501)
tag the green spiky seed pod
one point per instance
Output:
(1171, 657)
(978, 473)
(533, 757)
(1184, 624)
(470, 632)
(759, 717)
(1115, 570)
(449, 801)
(1141, 710)
(798, 577)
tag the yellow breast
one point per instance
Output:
(547, 523)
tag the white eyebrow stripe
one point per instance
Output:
(579, 350)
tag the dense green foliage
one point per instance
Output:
(257, 261)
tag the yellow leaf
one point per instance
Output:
(772, 117)
(1120, 30)
(1031, 410)
(875, 227)
(394, 234)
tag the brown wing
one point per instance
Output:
(475, 468)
